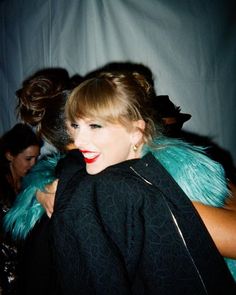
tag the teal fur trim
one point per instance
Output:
(27, 211)
(202, 179)
(231, 263)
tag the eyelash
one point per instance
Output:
(29, 159)
(92, 126)
(95, 126)
(74, 125)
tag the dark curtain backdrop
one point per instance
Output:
(189, 45)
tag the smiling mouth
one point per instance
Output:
(89, 157)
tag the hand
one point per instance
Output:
(231, 200)
(47, 197)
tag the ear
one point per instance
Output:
(9, 156)
(137, 133)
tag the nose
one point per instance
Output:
(77, 141)
(81, 138)
(33, 162)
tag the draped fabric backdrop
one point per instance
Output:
(189, 45)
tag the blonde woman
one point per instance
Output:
(135, 223)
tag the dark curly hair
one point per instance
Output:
(41, 102)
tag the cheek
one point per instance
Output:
(17, 164)
(20, 168)
(118, 152)
(24, 165)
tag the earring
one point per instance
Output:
(135, 148)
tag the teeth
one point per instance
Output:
(90, 155)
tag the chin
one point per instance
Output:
(94, 170)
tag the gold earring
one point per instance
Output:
(135, 148)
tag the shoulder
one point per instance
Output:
(116, 186)
(201, 178)
(113, 179)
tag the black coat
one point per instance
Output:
(131, 230)
(37, 274)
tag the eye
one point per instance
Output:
(29, 159)
(95, 126)
(74, 125)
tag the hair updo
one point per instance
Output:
(34, 97)
(41, 103)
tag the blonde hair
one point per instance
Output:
(114, 97)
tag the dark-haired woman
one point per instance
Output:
(19, 150)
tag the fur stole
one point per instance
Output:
(26, 210)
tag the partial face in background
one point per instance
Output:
(105, 144)
(24, 161)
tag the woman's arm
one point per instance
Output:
(221, 224)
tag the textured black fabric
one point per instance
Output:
(67, 170)
(131, 230)
(36, 274)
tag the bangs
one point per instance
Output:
(99, 99)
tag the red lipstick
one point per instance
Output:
(89, 160)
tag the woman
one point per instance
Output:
(129, 228)
(19, 150)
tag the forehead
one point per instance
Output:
(30, 151)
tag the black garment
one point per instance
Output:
(9, 260)
(131, 230)
(8, 248)
(37, 271)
